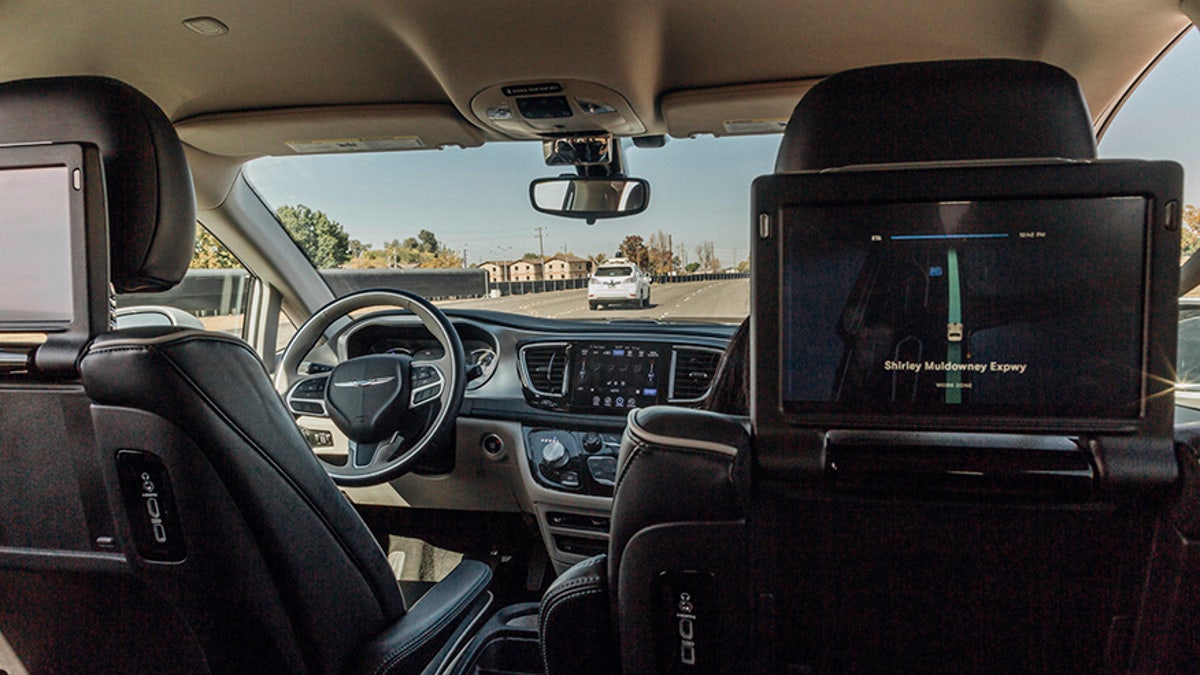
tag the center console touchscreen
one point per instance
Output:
(610, 377)
(1025, 296)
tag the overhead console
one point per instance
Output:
(1001, 329)
(532, 110)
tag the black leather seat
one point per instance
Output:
(684, 503)
(268, 567)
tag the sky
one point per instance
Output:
(477, 199)
(1161, 119)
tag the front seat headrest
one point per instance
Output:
(938, 111)
(151, 207)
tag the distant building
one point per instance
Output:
(525, 270)
(497, 270)
(566, 266)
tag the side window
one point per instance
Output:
(1159, 122)
(214, 294)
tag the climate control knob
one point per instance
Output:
(592, 442)
(554, 454)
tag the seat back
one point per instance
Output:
(715, 569)
(162, 511)
(881, 565)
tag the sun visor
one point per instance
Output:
(733, 111)
(366, 128)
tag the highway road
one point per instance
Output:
(726, 299)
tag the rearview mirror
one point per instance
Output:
(589, 197)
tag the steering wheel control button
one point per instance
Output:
(307, 397)
(311, 388)
(150, 506)
(307, 408)
(427, 382)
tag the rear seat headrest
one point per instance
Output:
(938, 111)
(151, 207)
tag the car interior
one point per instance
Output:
(942, 436)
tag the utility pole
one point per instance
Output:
(541, 255)
(464, 257)
(541, 249)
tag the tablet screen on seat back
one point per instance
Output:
(1015, 307)
(993, 297)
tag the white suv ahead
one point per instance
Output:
(618, 280)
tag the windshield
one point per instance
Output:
(456, 225)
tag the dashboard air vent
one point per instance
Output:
(693, 370)
(545, 368)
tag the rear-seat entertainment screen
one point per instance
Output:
(982, 307)
(35, 246)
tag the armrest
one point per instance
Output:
(431, 623)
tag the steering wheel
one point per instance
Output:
(391, 407)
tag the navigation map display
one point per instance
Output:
(988, 307)
(612, 377)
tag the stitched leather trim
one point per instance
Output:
(676, 442)
(641, 448)
(436, 627)
(555, 603)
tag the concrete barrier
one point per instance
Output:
(435, 284)
(224, 292)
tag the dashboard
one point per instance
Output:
(540, 426)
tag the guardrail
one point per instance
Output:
(224, 292)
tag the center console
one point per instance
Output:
(588, 387)
(580, 461)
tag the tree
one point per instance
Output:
(634, 249)
(324, 241)
(706, 253)
(429, 242)
(358, 249)
(659, 257)
(208, 253)
(691, 267)
(1190, 232)
(444, 259)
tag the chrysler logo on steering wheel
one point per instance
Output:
(365, 383)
